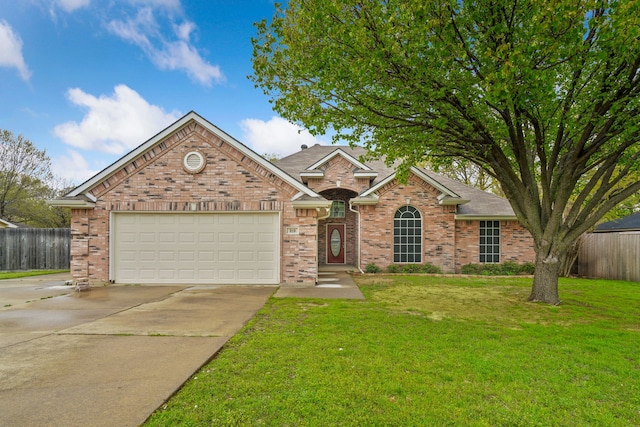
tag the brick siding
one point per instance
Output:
(516, 243)
(438, 230)
(157, 182)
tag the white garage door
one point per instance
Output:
(185, 248)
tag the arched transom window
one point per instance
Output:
(407, 235)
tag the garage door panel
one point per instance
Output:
(226, 238)
(161, 219)
(204, 237)
(246, 237)
(166, 237)
(166, 256)
(196, 248)
(226, 219)
(147, 256)
(265, 256)
(186, 237)
(206, 256)
(244, 256)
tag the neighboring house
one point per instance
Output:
(620, 225)
(194, 205)
(612, 250)
(6, 224)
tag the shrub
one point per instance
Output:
(430, 268)
(492, 270)
(414, 268)
(510, 268)
(527, 268)
(507, 268)
(372, 268)
(410, 268)
(471, 269)
(393, 268)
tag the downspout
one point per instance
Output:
(357, 212)
(318, 219)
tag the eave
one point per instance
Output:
(72, 203)
(463, 217)
(366, 200)
(304, 201)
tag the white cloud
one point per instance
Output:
(113, 124)
(277, 136)
(11, 51)
(174, 53)
(72, 5)
(166, 4)
(72, 167)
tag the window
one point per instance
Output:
(337, 209)
(407, 235)
(489, 241)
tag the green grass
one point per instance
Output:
(427, 351)
(19, 274)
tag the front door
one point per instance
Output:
(335, 244)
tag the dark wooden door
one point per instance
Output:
(335, 244)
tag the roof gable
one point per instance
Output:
(83, 190)
(339, 152)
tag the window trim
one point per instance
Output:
(401, 254)
(489, 252)
(341, 209)
(191, 168)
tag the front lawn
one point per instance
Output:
(29, 273)
(427, 351)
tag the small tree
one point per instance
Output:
(542, 95)
(24, 173)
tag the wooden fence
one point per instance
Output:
(34, 248)
(610, 256)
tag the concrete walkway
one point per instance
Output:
(334, 281)
(112, 355)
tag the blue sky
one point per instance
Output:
(88, 80)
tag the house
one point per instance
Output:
(6, 224)
(612, 250)
(621, 225)
(194, 205)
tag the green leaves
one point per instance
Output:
(25, 183)
(538, 93)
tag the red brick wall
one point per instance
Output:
(516, 243)
(157, 181)
(438, 230)
(338, 173)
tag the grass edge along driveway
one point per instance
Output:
(427, 351)
(27, 273)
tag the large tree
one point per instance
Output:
(542, 94)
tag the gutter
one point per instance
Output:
(359, 235)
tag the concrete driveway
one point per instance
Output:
(112, 355)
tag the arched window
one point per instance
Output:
(407, 235)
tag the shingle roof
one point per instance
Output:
(480, 202)
(628, 223)
(298, 162)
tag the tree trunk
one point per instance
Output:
(545, 279)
